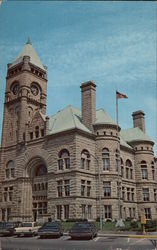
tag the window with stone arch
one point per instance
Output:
(129, 169)
(106, 159)
(10, 170)
(85, 159)
(64, 159)
(153, 170)
(117, 154)
(122, 167)
(41, 170)
(144, 171)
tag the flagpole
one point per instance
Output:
(119, 221)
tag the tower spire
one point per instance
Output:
(28, 41)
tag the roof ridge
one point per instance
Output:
(72, 115)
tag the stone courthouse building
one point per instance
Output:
(49, 165)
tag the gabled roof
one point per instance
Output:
(103, 118)
(28, 50)
(123, 143)
(66, 119)
(134, 134)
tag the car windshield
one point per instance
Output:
(9, 225)
(27, 224)
(51, 225)
(81, 226)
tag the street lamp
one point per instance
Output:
(99, 188)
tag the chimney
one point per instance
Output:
(88, 104)
(138, 120)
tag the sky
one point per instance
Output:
(111, 43)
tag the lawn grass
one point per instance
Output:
(107, 226)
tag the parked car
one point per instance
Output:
(51, 229)
(82, 230)
(27, 229)
(7, 228)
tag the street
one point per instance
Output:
(65, 243)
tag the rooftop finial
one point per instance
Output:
(28, 41)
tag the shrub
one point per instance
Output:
(128, 219)
(76, 220)
(134, 224)
(151, 224)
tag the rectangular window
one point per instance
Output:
(67, 187)
(128, 194)
(122, 171)
(146, 194)
(59, 188)
(107, 189)
(42, 132)
(7, 172)
(10, 196)
(106, 164)
(89, 212)
(82, 187)
(88, 188)
(66, 212)
(3, 214)
(67, 163)
(5, 196)
(127, 173)
(59, 212)
(131, 173)
(82, 163)
(83, 211)
(130, 214)
(88, 164)
(31, 135)
(148, 213)
(153, 173)
(12, 172)
(155, 194)
(134, 212)
(132, 194)
(60, 164)
(107, 211)
(144, 173)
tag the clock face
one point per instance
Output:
(16, 89)
(34, 90)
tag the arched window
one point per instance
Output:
(122, 167)
(10, 170)
(85, 159)
(153, 171)
(41, 170)
(129, 169)
(144, 172)
(37, 131)
(117, 160)
(106, 159)
(64, 159)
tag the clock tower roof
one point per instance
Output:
(28, 50)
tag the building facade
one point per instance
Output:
(50, 166)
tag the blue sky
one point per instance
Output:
(111, 43)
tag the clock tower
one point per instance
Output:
(25, 93)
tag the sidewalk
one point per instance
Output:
(128, 234)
